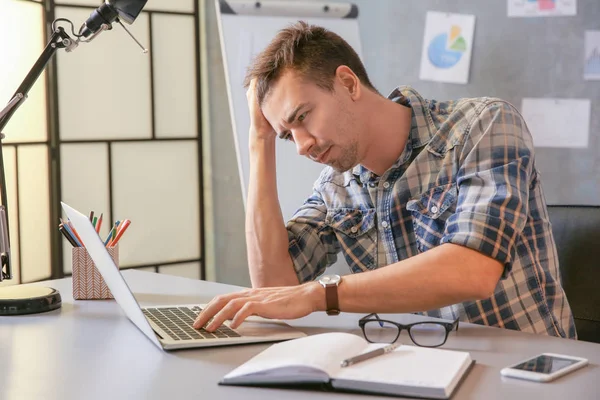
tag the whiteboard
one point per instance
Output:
(245, 29)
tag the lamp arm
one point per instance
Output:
(59, 40)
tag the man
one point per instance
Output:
(436, 206)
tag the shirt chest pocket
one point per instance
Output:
(430, 211)
(356, 233)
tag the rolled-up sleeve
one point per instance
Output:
(493, 181)
(312, 244)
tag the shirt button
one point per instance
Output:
(384, 224)
(386, 185)
(354, 229)
(434, 209)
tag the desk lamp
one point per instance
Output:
(18, 300)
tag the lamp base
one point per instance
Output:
(21, 300)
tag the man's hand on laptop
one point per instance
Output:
(287, 302)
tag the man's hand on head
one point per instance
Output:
(259, 126)
(287, 302)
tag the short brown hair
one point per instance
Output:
(311, 50)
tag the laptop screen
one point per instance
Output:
(109, 271)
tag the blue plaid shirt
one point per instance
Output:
(466, 176)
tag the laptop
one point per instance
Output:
(170, 327)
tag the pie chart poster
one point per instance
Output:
(447, 45)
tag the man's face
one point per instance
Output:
(321, 123)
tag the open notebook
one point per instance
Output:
(313, 360)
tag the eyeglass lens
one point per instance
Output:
(428, 334)
(380, 331)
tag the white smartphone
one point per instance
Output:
(544, 367)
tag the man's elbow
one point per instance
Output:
(486, 286)
(477, 274)
(484, 291)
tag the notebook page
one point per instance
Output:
(322, 352)
(409, 366)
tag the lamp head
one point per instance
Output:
(109, 12)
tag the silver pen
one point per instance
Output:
(368, 355)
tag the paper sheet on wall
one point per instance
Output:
(558, 122)
(447, 45)
(591, 69)
(541, 8)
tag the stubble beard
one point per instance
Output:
(347, 160)
(349, 157)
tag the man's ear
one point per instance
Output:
(350, 82)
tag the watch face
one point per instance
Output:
(330, 279)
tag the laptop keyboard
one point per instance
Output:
(178, 321)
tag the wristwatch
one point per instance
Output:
(330, 283)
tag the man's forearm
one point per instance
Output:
(445, 275)
(269, 261)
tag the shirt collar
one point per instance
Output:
(422, 127)
(421, 131)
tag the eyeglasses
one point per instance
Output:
(425, 334)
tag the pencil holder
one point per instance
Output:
(88, 284)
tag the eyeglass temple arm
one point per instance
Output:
(367, 317)
(454, 325)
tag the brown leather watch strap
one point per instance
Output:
(331, 298)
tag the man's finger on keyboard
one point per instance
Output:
(227, 312)
(213, 307)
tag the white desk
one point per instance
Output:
(89, 349)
